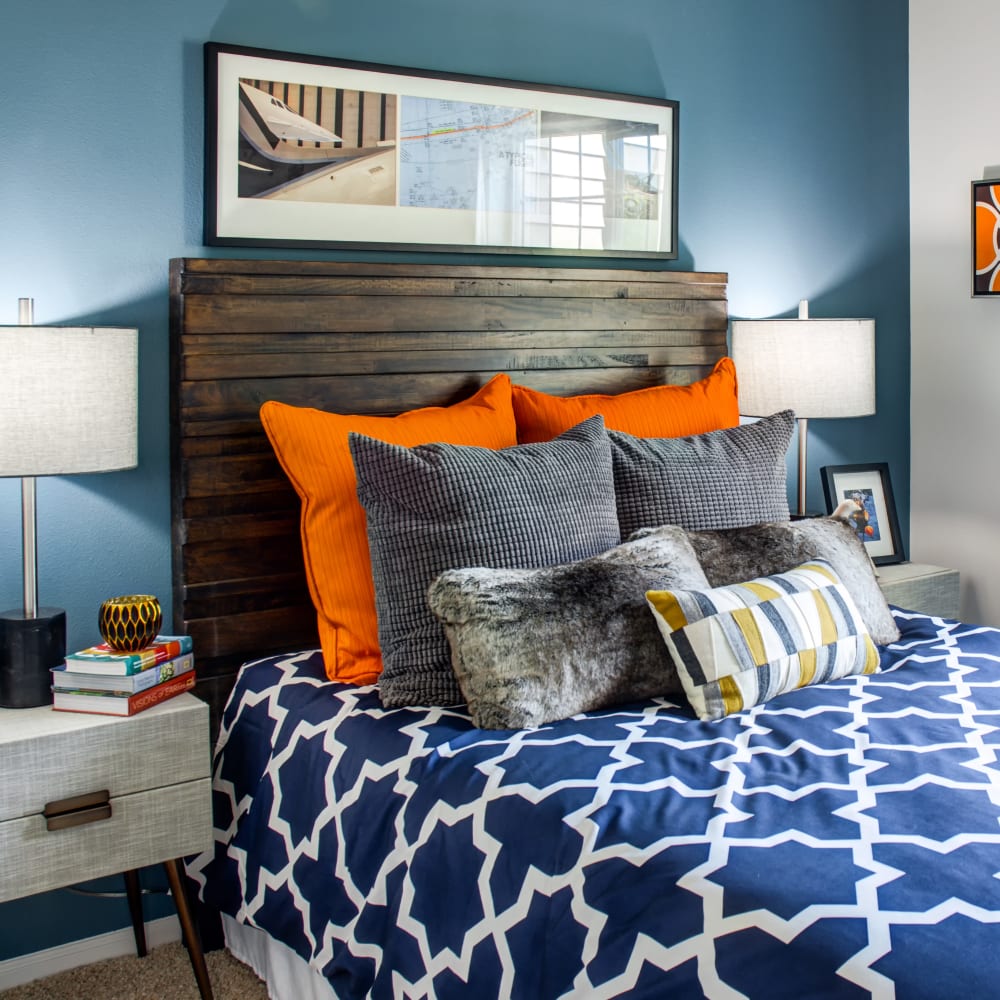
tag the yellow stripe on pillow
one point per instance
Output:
(765, 591)
(807, 667)
(872, 659)
(827, 626)
(821, 567)
(669, 608)
(746, 622)
(732, 697)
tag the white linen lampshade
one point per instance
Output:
(69, 405)
(822, 368)
(69, 400)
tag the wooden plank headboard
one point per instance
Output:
(376, 339)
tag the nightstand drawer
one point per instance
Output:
(931, 590)
(47, 755)
(143, 830)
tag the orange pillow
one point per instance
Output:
(660, 411)
(311, 446)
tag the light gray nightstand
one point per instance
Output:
(83, 796)
(932, 590)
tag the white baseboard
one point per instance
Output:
(39, 964)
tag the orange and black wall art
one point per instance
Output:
(986, 237)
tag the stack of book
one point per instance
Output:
(98, 679)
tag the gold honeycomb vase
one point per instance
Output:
(130, 623)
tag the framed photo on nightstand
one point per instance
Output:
(874, 513)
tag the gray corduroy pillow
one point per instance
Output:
(765, 549)
(530, 646)
(439, 506)
(722, 479)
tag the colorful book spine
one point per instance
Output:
(72, 680)
(102, 703)
(102, 659)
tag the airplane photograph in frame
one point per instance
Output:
(305, 151)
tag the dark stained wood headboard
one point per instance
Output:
(375, 339)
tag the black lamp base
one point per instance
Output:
(29, 649)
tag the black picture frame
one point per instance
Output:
(303, 151)
(986, 238)
(877, 524)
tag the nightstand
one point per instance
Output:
(932, 590)
(83, 796)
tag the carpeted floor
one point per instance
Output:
(164, 974)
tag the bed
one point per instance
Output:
(839, 839)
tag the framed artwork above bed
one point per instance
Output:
(305, 151)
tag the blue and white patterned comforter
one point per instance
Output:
(840, 841)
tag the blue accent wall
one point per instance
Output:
(793, 178)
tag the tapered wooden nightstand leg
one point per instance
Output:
(188, 929)
(134, 892)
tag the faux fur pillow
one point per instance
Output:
(532, 646)
(764, 549)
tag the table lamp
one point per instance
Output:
(69, 405)
(822, 368)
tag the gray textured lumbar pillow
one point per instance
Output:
(765, 549)
(722, 479)
(533, 646)
(439, 506)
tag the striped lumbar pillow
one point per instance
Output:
(741, 645)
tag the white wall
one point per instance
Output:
(955, 393)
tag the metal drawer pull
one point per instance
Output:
(78, 810)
